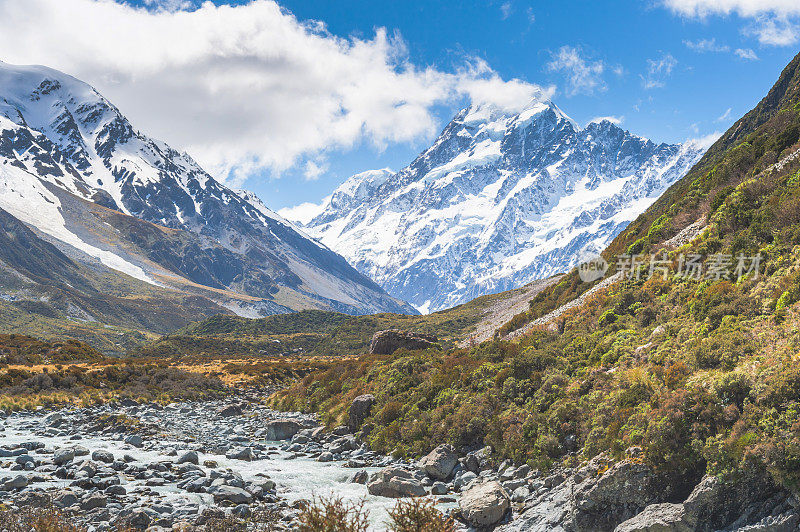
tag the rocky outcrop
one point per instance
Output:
(484, 504)
(627, 496)
(360, 409)
(665, 517)
(387, 342)
(395, 482)
(750, 503)
(439, 463)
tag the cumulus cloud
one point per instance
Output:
(581, 75)
(249, 87)
(658, 70)
(303, 213)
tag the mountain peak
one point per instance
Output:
(502, 197)
(62, 144)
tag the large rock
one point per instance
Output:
(189, 457)
(103, 456)
(230, 410)
(484, 504)
(230, 494)
(395, 482)
(360, 410)
(281, 429)
(665, 517)
(387, 342)
(62, 456)
(439, 463)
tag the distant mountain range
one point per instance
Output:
(106, 201)
(499, 199)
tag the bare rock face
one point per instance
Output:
(387, 342)
(360, 410)
(484, 504)
(665, 517)
(439, 463)
(626, 489)
(395, 482)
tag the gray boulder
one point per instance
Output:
(230, 494)
(395, 482)
(484, 504)
(189, 457)
(387, 342)
(62, 456)
(103, 456)
(439, 463)
(360, 409)
(281, 429)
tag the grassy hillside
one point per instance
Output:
(701, 373)
(311, 332)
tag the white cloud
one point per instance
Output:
(726, 115)
(617, 120)
(775, 20)
(706, 141)
(582, 75)
(745, 8)
(775, 31)
(303, 213)
(658, 70)
(247, 87)
(746, 53)
(313, 170)
(531, 15)
(505, 10)
(707, 45)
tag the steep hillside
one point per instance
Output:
(68, 158)
(500, 199)
(700, 372)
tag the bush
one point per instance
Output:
(332, 515)
(418, 515)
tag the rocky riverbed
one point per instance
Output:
(177, 467)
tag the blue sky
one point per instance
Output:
(289, 100)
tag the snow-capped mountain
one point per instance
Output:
(62, 143)
(498, 200)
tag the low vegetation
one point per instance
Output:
(335, 515)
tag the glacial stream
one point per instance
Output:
(296, 477)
